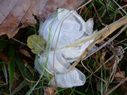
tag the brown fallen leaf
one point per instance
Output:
(50, 91)
(119, 75)
(15, 14)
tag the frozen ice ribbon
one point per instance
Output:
(61, 31)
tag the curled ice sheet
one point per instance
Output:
(60, 30)
(69, 79)
(64, 27)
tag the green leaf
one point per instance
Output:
(11, 67)
(11, 73)
(36, 43)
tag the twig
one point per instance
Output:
(120, 7)
(84, 5)
(121, 41)
(101, 35)
(123, 6)
(92, 73)
(101, 66)
(114, 88)
(18, 41)
(109, 41)
(98, 15)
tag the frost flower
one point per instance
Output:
(64, 32)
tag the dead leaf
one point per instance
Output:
(119, 75)
(15, 13)
(50, 91)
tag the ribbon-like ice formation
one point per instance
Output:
(61, 31)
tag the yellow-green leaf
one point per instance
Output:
(36, 43)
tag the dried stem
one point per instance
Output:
(101, 35)
(84, 5)
(114, 88)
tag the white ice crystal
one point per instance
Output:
(60, 30)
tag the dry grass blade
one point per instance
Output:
(100, 66)
(120, 7)
(109, 41)
(114, 88)
(84, 5)
(105, 45)
(101, 35)
(92, 73)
